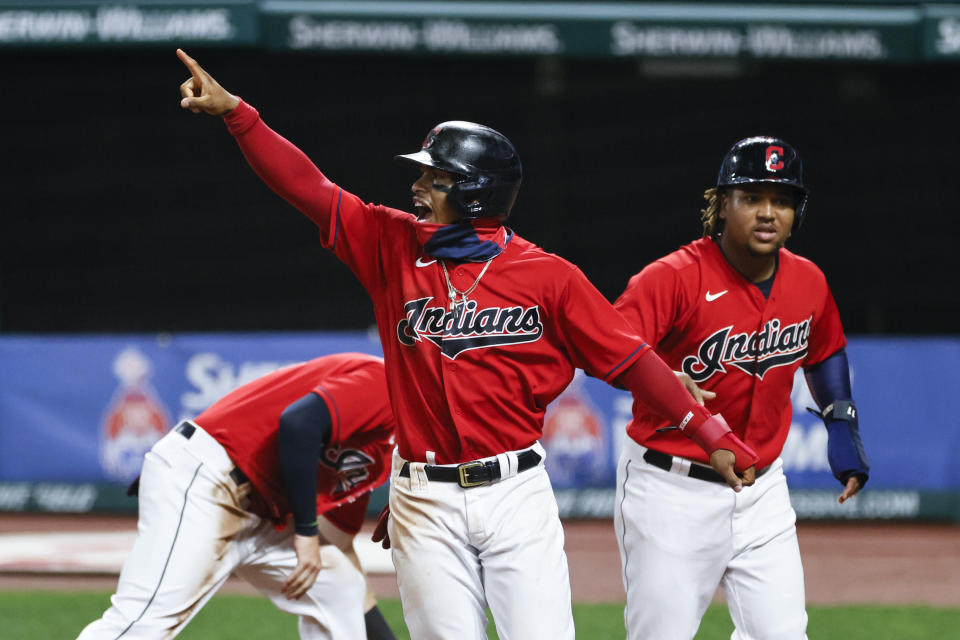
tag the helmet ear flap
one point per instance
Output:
(469, 196)
(800, 210)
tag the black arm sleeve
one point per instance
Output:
(305, 429)
(829, 380)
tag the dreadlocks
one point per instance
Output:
(710, 215)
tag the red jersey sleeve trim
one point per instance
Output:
(336, 222)
(626, 362)
(334, 412)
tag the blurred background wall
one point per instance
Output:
(121, 212)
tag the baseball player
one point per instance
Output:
(480, 330)
(310, 440)
(738, 314)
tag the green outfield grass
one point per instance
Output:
(33, 615)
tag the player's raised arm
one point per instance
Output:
(279, 163)
(201, 93)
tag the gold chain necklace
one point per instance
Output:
(453, 292)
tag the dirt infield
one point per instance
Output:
(845, 563)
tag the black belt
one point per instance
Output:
(187, 430)
(476, 473)
(700, 472)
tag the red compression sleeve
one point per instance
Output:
(281, 165)
(654, 384)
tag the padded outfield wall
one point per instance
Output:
(78, 412)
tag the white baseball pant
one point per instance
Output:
(681, 537)
(460, 550)
(193, 532)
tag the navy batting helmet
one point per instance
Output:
(765, 159)
(484, 162)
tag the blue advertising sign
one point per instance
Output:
(902, 388)
(85, 409)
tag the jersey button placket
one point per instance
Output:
(755, 391)
(452, 368)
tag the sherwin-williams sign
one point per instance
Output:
(700, 30)
(53, 24)
(596, 29)
(78, 413)
(574, 29)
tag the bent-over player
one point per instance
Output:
(738, 314)
(480, 331)
(310, 440)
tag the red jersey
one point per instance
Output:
(462, 386)
(707, 320)
(354, 462)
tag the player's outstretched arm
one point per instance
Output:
(653, 383)
(201, 93)
(278, 162)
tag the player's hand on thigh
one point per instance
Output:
(201, 93)
(723, 461)
(308, 566)
(700, 395)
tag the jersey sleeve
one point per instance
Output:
(348, 227)
(355, 232)
(359, 403)
(826, 331)
(597, 338)
(652, 301)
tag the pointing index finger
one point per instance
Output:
(190, 63)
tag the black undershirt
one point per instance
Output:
(766, 285)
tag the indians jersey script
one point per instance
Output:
(475, 380)
(707, 320)
(357, 458)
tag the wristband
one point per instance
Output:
(309, 529)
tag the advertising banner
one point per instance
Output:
(78, 413)
(899, 386)
(596, 29)
(86, 409)
(230, 22)
(862, 31)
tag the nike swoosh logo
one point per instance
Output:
(421, 263)
(713, 296)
